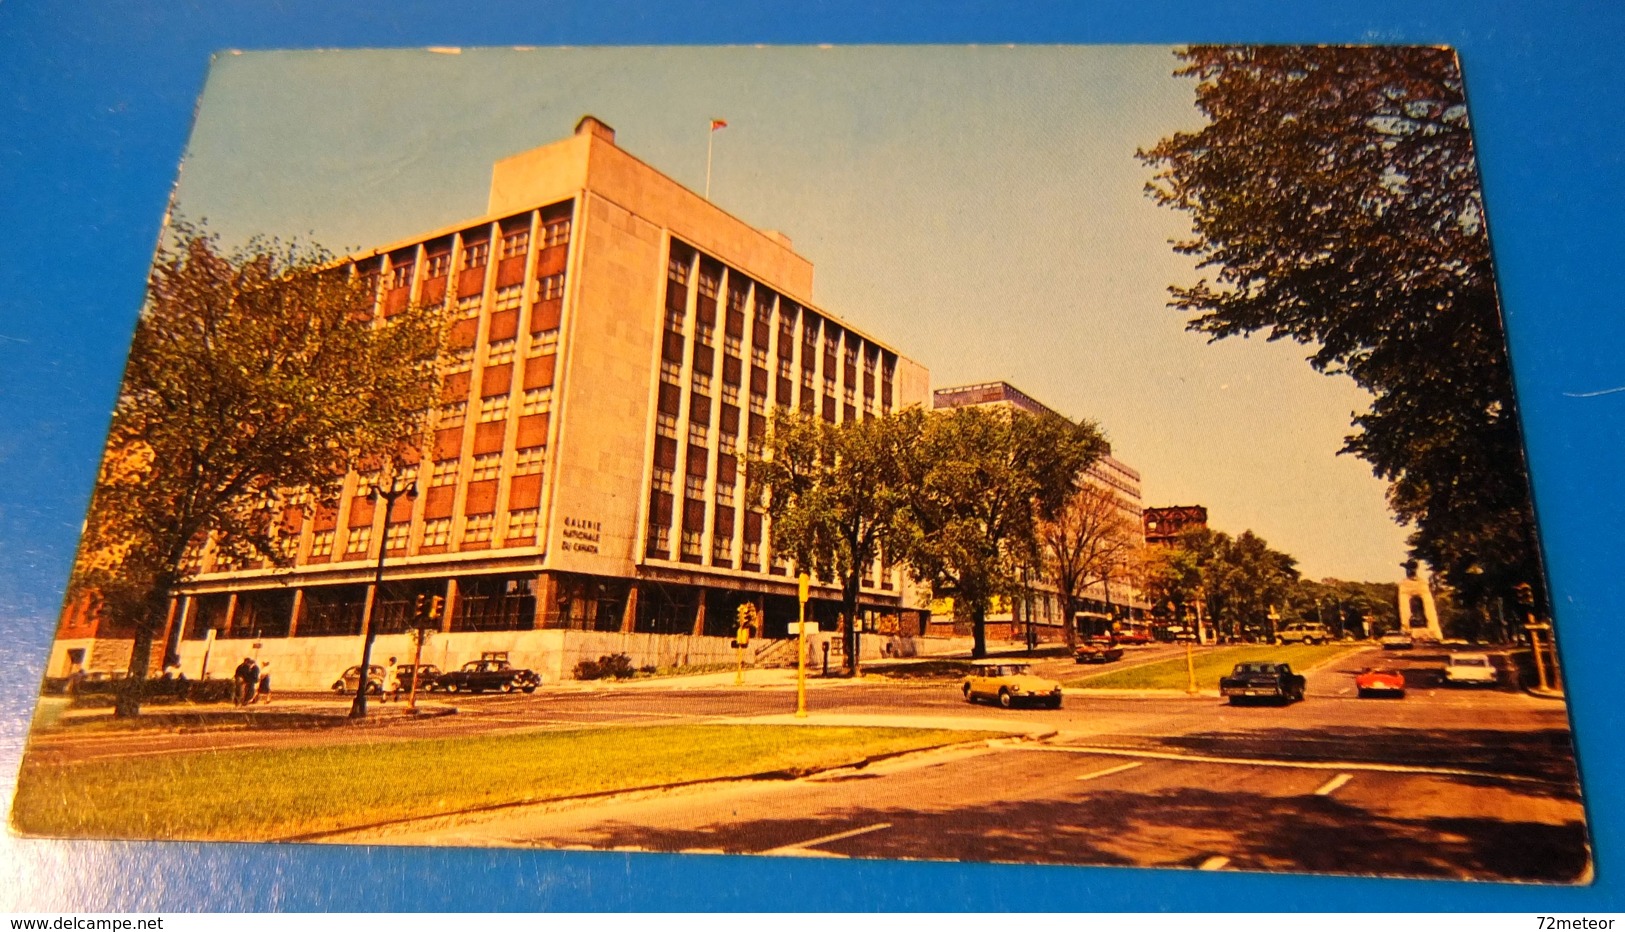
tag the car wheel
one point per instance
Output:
(1364, 694)
(1005, 699)
(453, 688)
(530, 689)
(968, 696)
(339, 687)
(1235, 700)
(507, 687)
(1054, 702)
(1297, 696)
(373, 689)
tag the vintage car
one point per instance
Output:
(1134, 637)
(1303, 632)
(1469, 670)
(1380, 682)
(1010, 684)
(477, 676)
(1097, 653)
(1397, 641)
(1264, 679)
(346, 684)
(425, 674)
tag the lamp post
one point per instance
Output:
(399, 485)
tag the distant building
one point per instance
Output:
(617, 345)
(1164, 525)
(1115, 598)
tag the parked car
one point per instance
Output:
(1380, 682)
(1262, 680)
(1397, 641)
(1096, 653)
(1010, 684)
(425, 674)
(477, 676)
(1303, 632)
(346, 684)
(1469, 670)
(1134, 637)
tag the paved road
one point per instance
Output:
(1445, 782)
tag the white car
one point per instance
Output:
(1469, 670)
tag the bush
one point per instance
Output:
(618, 666)
(157, 691)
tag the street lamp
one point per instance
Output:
(399, 485)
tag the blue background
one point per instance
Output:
(95, 104)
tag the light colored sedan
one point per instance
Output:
(1010, 684)
(1469, 670)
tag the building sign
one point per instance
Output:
(581, 535)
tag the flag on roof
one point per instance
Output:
(718, 124)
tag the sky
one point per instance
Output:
(980, 208)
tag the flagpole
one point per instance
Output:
(710, 140)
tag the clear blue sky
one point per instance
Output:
(980, 208)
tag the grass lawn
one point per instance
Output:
(269, 793)
(1211, 663)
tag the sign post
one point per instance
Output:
(801, 648)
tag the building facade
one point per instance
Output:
(1164, 525)
(617, 346)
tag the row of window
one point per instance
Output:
(476, 253)
(521, 523)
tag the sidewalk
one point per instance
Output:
(1001, 725)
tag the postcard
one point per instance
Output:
(490, 470)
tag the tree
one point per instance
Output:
(253, 375)
(835, 494)
(983, 479)
(1088, 542)
(1335, 195)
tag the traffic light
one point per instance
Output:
(437, 609)
(420, 610)
(744, 613)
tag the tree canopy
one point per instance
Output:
(1335, 201)
(254, 375)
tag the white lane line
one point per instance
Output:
(1111, 770)
(1217, 862)
(1331, 786)
(1357, 766)
(800, 847)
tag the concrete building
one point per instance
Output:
(618, 345)
(1164, 525)
(1116, 599)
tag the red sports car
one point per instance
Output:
(1374, 682)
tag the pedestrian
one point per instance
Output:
(265, 683)
(383, 696)
(240, 682)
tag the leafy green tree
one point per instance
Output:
(253, 374)
(835, 494)
(1089, 541)
(983, 478)
(1334, 196)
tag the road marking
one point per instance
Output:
(1331, 786)
(800, 848)
(1215, 863)
(1111, 770)
(1357, 766)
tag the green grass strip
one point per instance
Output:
(267, 793)
(1210, 662)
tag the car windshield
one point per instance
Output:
(1255, 668)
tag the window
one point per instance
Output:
(514, 244)
(708, 285)
(556, 233)
(730, 394)
(732, 346)
(736, 299)
(698, 433)
(677, 270)
(460, 360)
(438, 266)
(522, 523)
(357, 539)
(674, 319)
(469, 305)
(666, 425)
(758, 405)
(705, 335)
(544, 343)
(395, 538)
(727, 443)
(764, 306)
(451, 415)
(478, 528)
(476, 255)
(321, 544)
(725, 493)
(691, 543)
(671, 373)
(721, 550)
(486, 466)
(509, 298)
(551, 287)
(758, 357)
(694, 486)
(753, 553)
(436, 532)
(829, 385)
(662, 480)
(400, 276)
(538, 400)
(753, 448)
(786, 369)
(659, 539)
(435, 307)
(494, 408)
(445, 472)
(500, 353)
(850, 395)
(702, 383)
(528, 462)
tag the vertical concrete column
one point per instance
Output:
(547, 600)
(231, 614)
(297, 610)
(699, 612)
(451, 605)
(629, 614)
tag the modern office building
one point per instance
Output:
(618, 345)
(1107, 599)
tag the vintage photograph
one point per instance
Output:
(1140, 484)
